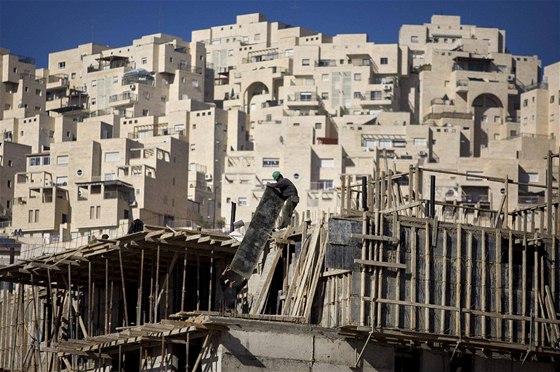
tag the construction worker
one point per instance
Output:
(230, 290)
(288, 192)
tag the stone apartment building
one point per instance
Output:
(446, 97)
(172, 132)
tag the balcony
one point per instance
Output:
(262, 56)
(186, 67)
(57, 82)
(123, 99)
(303, 99)
(375, 98)
(326, 63)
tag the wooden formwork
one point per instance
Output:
(428, 270)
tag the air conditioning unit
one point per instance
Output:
(133, 87)
(422, 154)
(511, 78)
(387, 87)
(208, 177)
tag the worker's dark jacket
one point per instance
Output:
(286, 188)
(230, 293)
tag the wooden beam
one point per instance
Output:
(391, 265)
(380, 238)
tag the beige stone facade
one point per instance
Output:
(172, 132)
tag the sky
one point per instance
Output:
(37, 28)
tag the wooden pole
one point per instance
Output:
(498, 289)
(510, 284)
(126, 323)
(140, 290)
(183, 290)
(483, 279)
(444, 283)
(107, 295)
(458, 283)
(549, 181)
(156, 284)
(427, 274)
(413, 278)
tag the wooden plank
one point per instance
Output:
(498, 289)
(458, 282)
(413, 276)
(381, 238)
(468, 297)
(396, 230)
(316, 275)
(443, 284)
(306, 271)
(262, 289)
(524, 287)
(392, 265)
(427, 274)
(551, 311)
(510, 284)
(483, 284)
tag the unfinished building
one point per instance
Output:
(396, 281)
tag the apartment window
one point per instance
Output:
(325, 184)
(289, 52)
(512, 133)
(257, 37)
(305, 96)
(62, 64)
(327, 163)
(318, 125)
(242, 201)
(385, 143)
(112, 156)
(30, 217)
(366, 61)
(9, 184)
(115, 79)
(399, 143)
(91, 212)
(325, 95)
(305, 62)
(525, 102)
(145, 112)
(194, 83)
(357, 77)
(325, 77)
(271, 162)
(73, 75)
(62, 160)
(376, 95)
(414, 39)
(39, 92)
(384, 60)
(144, 60)
(357, 95)
(309, 82)
(34, 161)
(551, 99)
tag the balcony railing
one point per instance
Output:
(123, 96)
(189, 68)
(25, 59)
